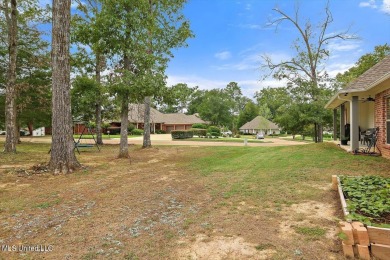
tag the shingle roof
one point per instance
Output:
(137, 111)
(366, 82)
(259, 122)
(136, 114)
(179, 118)
(375, 73)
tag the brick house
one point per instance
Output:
(365, 104)
(161, 121)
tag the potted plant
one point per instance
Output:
(344, 140)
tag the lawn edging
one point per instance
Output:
(358, 239)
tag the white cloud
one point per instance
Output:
(334, 68)
(342, 46)
(386, 6)
(193, 81)
(248, 87)
(254, 26)
(224, 55)
(370, 4)
(250, 62)
(247, 61)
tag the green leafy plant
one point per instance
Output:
(367, 198)
(182, 134)
(214, 131)
(199, 132)
(137, 132)
(130, 128)
(199, 125)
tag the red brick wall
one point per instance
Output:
(380, 121)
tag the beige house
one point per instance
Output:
(260, 125)
(365, 104)
(161, 121)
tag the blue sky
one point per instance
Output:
(231, 36)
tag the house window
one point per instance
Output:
(388, 120)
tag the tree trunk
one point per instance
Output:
(30, 128)
(10, 91)
(98, 117)
(124, 146)
(98, 109)
(62, 158)
(147, 143)
(320, 135)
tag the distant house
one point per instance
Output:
(260, 124)
(161, 121)
(364, 104)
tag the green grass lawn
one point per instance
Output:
(308, 139)
(279, 172)
(103, 136)
(224, 139)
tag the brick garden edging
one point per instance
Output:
(361, 241)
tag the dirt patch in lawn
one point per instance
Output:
(156, 206)
(218, 247)
(311, 215)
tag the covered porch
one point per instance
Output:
(353, 119)
(364, 104)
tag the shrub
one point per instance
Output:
(208, 135)
(237, 136)
(130, 128)
(199, 132)
(137, 132)
(215, 134)
(214, 131)
(199, 125)
(182, 134)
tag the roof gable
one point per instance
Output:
(259, 122)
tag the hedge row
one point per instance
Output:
(199, 132)
(182, 134)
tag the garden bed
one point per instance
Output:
(365, 203)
